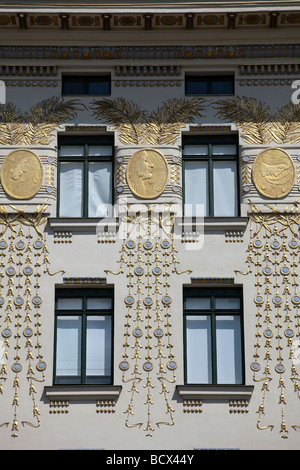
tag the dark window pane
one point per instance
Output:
(99, 86)
(67, 380)
(94, 379)
(209, 85)
(73, 86)
(222, 87)
(196, 86)
(86, 85)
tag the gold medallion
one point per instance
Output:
(147, 173)
(274, 173)
(21, 174)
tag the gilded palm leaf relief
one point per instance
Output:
(12, 127)
(136, 127)
(257, 124)
(163, 126)
(38, 124)
(286, 124)
(252, 117)
(125, 116)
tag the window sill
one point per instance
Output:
(216, 224)
(208, 224)
(81, 224)
(83, 392)
(215, 392)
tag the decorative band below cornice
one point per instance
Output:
(163, 52)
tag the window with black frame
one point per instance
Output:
(86, 85)
(83, 336)
(209, 84)
(213, 328)
(85, 176)
(210, 176)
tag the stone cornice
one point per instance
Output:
(106, 18)
(155, 52)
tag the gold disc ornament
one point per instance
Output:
(274, 173)
(21, 174)
(147, 173)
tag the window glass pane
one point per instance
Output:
(194, 85)
(225, 189)
(100, 150)
(99, 86)
(69, 304)
(229, 360)
(198, 349)
(98, 349)
(68, 346)
(100, 189)
(222, 86)
(197, 303)
(70, 196)
(71, 151)
(99, 303)
(195, 150)
(73, 85)
(230, 303)
(195, 188)
(224, 149)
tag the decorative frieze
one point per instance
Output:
(147, 70)
(269, 69)
(145, 52)
(28, 70)
(149, 21)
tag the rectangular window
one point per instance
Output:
(210, 176)
(83, 339)
(209, 85)
(213, 336)
(86, 85)
(85, 169)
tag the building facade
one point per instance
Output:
(149, 246)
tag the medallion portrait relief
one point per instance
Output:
(21, 174)
(147, 173)
(274, 173)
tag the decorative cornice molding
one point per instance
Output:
(135, 19)
(145, 52)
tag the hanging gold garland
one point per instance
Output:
(24, 260)
(148, 259)
(273, 259)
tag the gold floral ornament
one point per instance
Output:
(36, 126)
(274, 173)
(161, 127)
(147, 173)
(257, 124)
(21, 174)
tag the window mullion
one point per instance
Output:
(85, 182)
(83, 348)
(58, 186)
(214, 348)
(210, 181)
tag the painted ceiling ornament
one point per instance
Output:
(21, 174)
(274, 173)
(147, 173)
